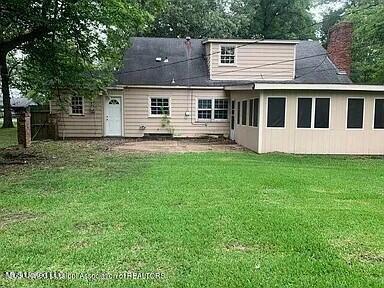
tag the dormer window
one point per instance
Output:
(227, 54)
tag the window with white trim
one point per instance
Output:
(212, 109)
(313, 112)
(159, 106)
(276, 112)
(355, 113)
(379, 114)
(227, 54)
(77, 105)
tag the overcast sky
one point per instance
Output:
(318, 11)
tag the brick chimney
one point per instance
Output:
(340, 46)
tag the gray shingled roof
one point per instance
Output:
(140, 67)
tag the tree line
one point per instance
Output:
(47, 46)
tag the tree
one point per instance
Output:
(67, 44)
(197, 19)
(368, 41)
(274, 19)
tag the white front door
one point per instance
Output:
(113, 116)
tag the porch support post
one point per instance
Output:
(261, 122)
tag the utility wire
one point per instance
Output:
(247, 68)
(185, 60)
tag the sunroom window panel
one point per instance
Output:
(238, 112)
(244, 113)
(355, 113)
(304, 113)
(322, 113)
(276, 112)
(255, 112)
(250, 115)
(379, 114)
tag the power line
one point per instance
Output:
(247, 68)
(185, 60)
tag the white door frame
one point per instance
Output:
(106, 101)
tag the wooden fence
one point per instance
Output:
(43, 125)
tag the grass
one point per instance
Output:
(204, 220)
(8, 136)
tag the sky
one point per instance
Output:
(319, 10)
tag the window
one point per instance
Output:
(232, 114)
(159, 106)
(304, 113)
(221, 109)
(313, 114)
(250, 122)
(77, 105)
(255, 112)
(355, 113)
(322, 112)
(212, 109)
(244, 113)
(238, 112)
(204, 109)
(276, 112)
(227, 54)
(379, 114)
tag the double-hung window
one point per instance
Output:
(77, 105)
(313, 112)
(276, 112)
(228, 54)
(212, 109)
(159, 106)
(355, 113)
(379, 114)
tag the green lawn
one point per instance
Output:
(204, 220)
(8, 137)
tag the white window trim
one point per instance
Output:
(346, 114)
(313, 112)
(228, 64)
(285, 113)
(70, 107)
(373, 117)
(212, 109)
(150, 115)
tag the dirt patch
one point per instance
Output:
(177, 146)
(15, 217)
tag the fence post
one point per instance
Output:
(24, 129)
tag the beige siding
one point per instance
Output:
(246, 136)
(88, 125)
(335, 140)
(136, 113)
(260, 56)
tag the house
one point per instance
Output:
(267, 95)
